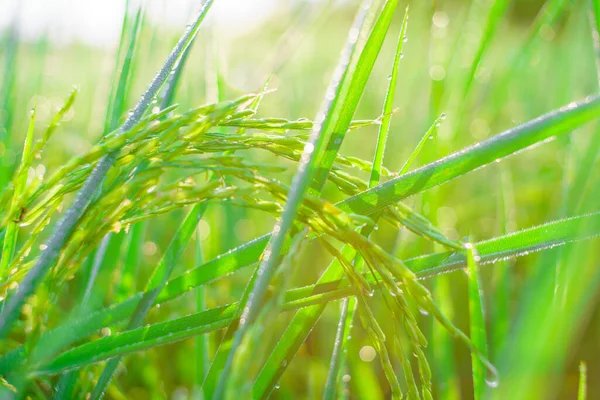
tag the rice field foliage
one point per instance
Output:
(354, 200)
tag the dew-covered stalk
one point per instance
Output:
(300, 184)
(72, 216)
(336, 356)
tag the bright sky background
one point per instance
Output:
(98, 22)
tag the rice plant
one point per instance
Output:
(388, 246)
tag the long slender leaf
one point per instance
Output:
(521, 243)
(352, 87)
(158, 280)
(477, 320)
(336, 355)
(10, 240)
(582, 390)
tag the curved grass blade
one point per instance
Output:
(428, 135)
(82, 200)
(12, 230)
(545, 328)
(485, 152)
(497, 11)
(388, 107)
(118, 99)
(580, 184)
(516, 244)
(10, 47)
(351, 89)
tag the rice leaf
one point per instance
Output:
(10, 239)
(582, 390)
(521, 243)
(353, 83)
(428, 135)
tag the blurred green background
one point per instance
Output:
(527, 71)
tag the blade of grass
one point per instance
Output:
(202, 356)
(485, 152)
(157, 282)
(544, 332)
(428, 135)
(77, 209)
(66, 383)
(491, 251)
(476, 321)
(118, 99)
(582, 178)
(129, 275)
(296, 334)
(388, 107)
(338, 87)
(582, 390)
(351, 89)
(497, 11)
(10, 240)
(10, 49)
(336, 356)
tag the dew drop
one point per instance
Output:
(423, 312)
(492, 383)
(389, 77)
(492, 379)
